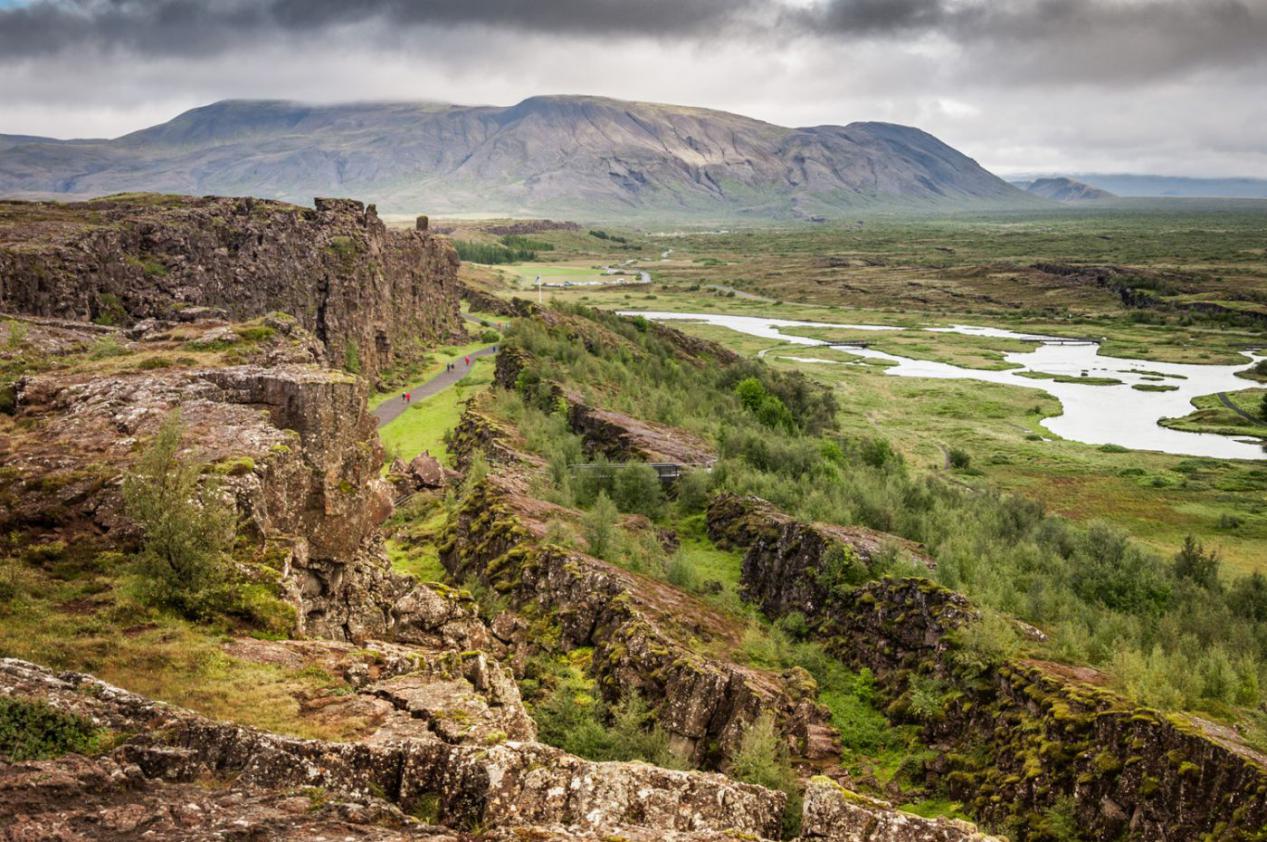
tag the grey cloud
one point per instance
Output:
(185, 27)
(1017, 40)
(1069, 40)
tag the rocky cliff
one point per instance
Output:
(178, 775)
(635, 625)
(1022, 737)
(369, 294)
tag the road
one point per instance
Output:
(390, 410)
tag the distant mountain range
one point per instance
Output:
(1162, 186)
(1064, 190)
(581, 156)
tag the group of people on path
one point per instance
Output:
(408, 397)
(452, 366)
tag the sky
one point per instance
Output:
(1172, 87)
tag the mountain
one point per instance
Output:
(1164, 186)
(1064, 190)
(551, 154)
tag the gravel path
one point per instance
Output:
(390, 410)
(1232, 406)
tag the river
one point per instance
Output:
(1093, 414)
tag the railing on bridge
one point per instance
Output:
(668, 472)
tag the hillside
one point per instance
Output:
(1066, 190)
(1162, 186)
(582, 156)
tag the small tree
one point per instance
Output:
(762, 759)
(187, 525)
(637, 489)
(600, 528)
(1194, 563)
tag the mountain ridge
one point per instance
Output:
(580, 155)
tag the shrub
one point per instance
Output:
(352, 358)
(600, 528)
(762, 759)
(490, 336)
(959, 459)
(694, 488)
(681, 573)
(186, 523)
(1192, 562)
(637, 489)
(35, 730)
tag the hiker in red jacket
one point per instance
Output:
(468, 359)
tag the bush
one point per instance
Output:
(490, 336)
(187, 526)
(602, 534)
(1192, 562)
(636, 489)
(352, 358)
(762, 759)
(960, 460)
(694, 489)
(769, 409)
(35, 730)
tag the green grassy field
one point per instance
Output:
(980, 270)
(424, 424)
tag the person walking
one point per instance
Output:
(468, 359)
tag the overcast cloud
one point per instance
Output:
(1162, 86)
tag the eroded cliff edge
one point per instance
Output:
(371, 295)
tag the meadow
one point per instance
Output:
(1191, 258)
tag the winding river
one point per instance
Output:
(1093, 414)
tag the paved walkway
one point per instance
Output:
(477, 320)
(389, 410)
(1232, 406)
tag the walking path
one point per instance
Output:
(1232, 406)
(389, 410)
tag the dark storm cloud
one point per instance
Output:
(1071, 37)
(1016, 40)
(1107, 40)
(181, 27)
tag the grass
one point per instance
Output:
(422, 427)
(81, 617)
(1211, 415)
(976, 269)
(414, 530)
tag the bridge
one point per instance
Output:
(668, 472)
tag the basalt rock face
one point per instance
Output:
(343, 785)
(704, 704)
(291, 444)
(795, 566)
(834, 814)
(369, 294)
(1023, 737)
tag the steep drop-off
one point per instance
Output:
(371, 295)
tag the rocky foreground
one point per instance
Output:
(341, 693)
